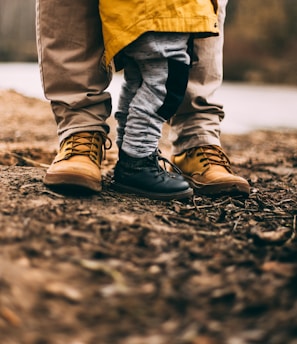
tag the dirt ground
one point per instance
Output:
(110, 268)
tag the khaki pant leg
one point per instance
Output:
(71, 60)
(197, 122)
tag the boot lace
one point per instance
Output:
(93, 145)
(212, 155)
(159, 158)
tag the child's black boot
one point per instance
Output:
(145, 177)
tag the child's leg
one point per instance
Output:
(132, 81)
(163, 62)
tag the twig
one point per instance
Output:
(210, 205)
(294, 228)
(236, 224)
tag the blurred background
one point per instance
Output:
(260, 43)
(17, 30)
(260, 60)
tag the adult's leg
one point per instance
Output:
(197, 121)
(196, 126)
(71, 59)
(74, 77)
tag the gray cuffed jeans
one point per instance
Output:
(156, 70)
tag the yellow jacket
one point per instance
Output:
(125, 20)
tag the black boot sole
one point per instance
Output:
(179, 195)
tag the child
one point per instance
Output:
(151, 41)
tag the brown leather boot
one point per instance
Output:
(77, 164)
(207, 168)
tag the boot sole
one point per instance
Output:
(71, 182)
(219, 189)
(188, 193)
